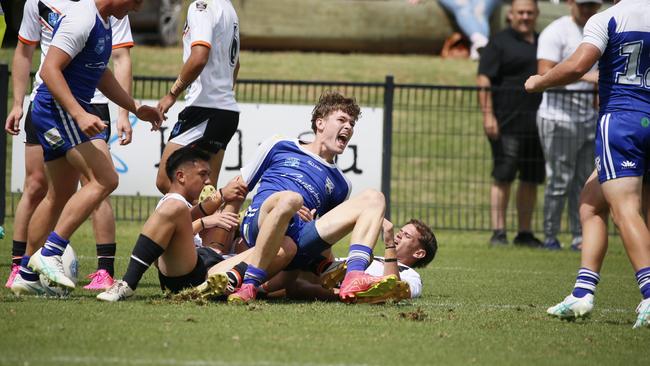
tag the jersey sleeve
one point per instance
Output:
(72, 32)
(254, 168)
(490, 60)
(30, 27)
(596, 31)
(201, 23)
(414, 280)
(549, 46)
(121, 29)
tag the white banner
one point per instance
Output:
(137, 162)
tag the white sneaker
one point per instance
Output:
(573, 307)
(50, 267)
(643, 319)
(119, 291)
(22, 287)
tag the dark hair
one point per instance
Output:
(427, 240)
(184, 155)
(332, 101)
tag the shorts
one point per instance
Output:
(304, 234)
(518, 153)
(208, 129)
(622, 145)
(54, 129)
(206, 258)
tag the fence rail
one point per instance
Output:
(436, 159)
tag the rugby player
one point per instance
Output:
(618, 38)
(76, 64)
(38, 22)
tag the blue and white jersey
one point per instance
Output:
(284, 165)
(622, 34)
(86, 38)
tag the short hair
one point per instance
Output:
(332, 101)
(184, 155)
(427, 240)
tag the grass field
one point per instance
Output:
(480, 306)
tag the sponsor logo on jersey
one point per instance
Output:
(628, 164)
(201, 5)
(597, 163)
(329, 186)
(292, 162)
(53, 137)
(101, 46)
(96, 65)
(52, 18)
(314, 165)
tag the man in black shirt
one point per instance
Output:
(509, 120)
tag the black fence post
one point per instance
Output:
(4, 95)
(389, 92)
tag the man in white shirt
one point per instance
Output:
(567, 124)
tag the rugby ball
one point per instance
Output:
(70, 268)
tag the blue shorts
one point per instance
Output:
(55, 129)
(622, 144)
(304, 234)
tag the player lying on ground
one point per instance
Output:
(616, 37)
(414, 246)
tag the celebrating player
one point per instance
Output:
(619, 37)
(75, 65)
(39, 19)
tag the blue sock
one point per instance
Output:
(255, 276)
(643, 279)
(585, 282)
(26, 273)
(54, 245)
(359, 257)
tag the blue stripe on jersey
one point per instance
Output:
(84, 71)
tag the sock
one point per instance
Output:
(54, 245)
(145, 252)
(18, 251)
(643, 279)
(586, 282)
(236, 275)
(359, 257)
(106, 257)
(26, 273)
(255, 276)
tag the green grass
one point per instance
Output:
(480, 306)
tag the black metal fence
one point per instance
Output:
(436, 164)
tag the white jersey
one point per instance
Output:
(37, 25)
(198, 242)
(556, 43)
(214, 24)
(406, 274)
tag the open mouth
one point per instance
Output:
(343, 138)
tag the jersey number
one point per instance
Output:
(631, 76)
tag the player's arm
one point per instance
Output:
(21, 65)
(234, 191)
(123, 73)
(567, 71)
(234, 76)
(490, 125)
(191, 70)
(390, 254)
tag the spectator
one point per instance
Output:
(567, 124)
(509, 120)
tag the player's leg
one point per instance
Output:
(34, 190)
(584, 167)
(275, 214)
(504, 156)
(530, 163)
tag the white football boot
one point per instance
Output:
(50, 267)
(572, 307)
(119, 291)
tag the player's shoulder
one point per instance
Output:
(206, 7)
(171, 207)
(81, 13)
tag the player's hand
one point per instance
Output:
(166, 102)
(388, 232)
(490, 126)
(235, 190)
(12, 125)
(124, 131)
(150, 114)
(306, 214)
(90, 124)
(224, 220)
(533, 84)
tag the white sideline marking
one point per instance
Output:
(511, 306)
(515, 271)
(172, 362)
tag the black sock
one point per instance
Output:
(145, 252)
(18, 251)
(236, 274)
(106, 257)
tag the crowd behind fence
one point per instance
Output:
(436, 161)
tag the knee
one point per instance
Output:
(35, 187)
(373, 198)
(108, 183)
(289, 203)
